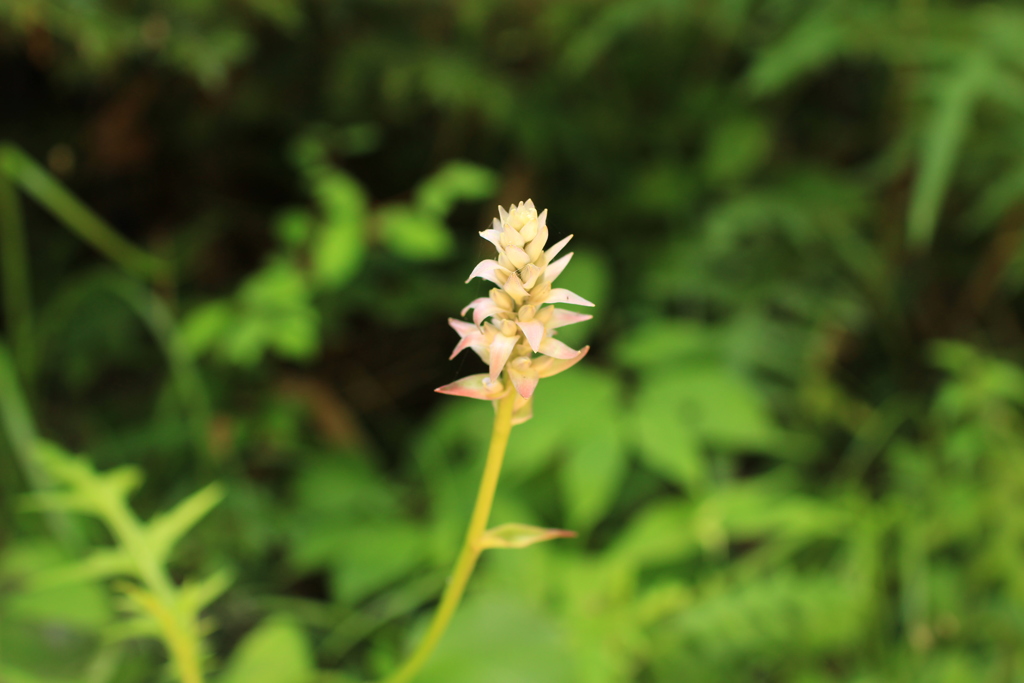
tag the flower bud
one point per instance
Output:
(502, 299)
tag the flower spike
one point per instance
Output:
(518, 318)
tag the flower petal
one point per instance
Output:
(560, 317)
(556, 349)
(489, 270)
(524, 377)
(517, 256)
(555, 248)
(483, 308)
(474, 386)
(549, 367)
(564, 296)
(461, 326)
(529, 275)
(529, 229)
(501, 349)
(555, 269)
(493, 234)
(514, 287)
(534, 333)
(536, 246)
(475, 341)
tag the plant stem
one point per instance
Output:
(17, 291)
(452, 595)
(35, 181)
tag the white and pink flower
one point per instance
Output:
(518, 318)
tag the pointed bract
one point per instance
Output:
(520, 536)
(501, 348)
(557, 247)
(474, 386)
(533, 330)
(564, 296)
(561, 317)
(489, 270)
(556, 349)
(549, 367)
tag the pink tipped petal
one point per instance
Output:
(462, 327)
(564, 296)
(555, 248)
(492, 235)
(474, 341)
(501, 349)
(549, 367)
(525, 384)
(555, 269)
(483, 308)
(556, 349)
(488, 270)
(482, 313)
(534, 333)
(514, 287)
(561, 317)
(475, 303)
(474, 386)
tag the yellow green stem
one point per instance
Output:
(464, 565)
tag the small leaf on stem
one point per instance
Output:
(520, 536)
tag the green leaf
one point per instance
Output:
(78, 604)
(737, 147)
(276, 651)
(455, 181)
(661, 532)
(940, 146)
(293, 226)
(198, 595)
(500, 638)
(414, 235)
(577, 415)
(203, 327)
(659, 341)
(296, 336)
(593, 470)
(102, 563)
(812, 45)
(373, 555)
(166, 529)
(720, 405)
(339, 246)
(667, 443)
(338, 251)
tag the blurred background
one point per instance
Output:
(231, 234)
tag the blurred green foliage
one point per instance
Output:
(791, 455)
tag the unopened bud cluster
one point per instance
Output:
(517, 319)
